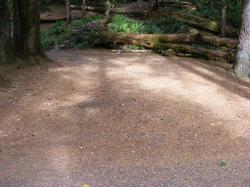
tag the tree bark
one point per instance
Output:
(115, 10)
(195, 21)
(27, 30)
(172, 38)
(5, 42)
(218, 42)
(166, 41)
(195, 51)
(224, 18)
(180, 4)
(156, 5)
(127, 38)
(68, 14)
(242, 66)
(83, 8)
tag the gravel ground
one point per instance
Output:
(102, 118)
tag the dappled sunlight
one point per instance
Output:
(126, 93)
(106, 109)
(185, 84)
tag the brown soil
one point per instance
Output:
(105, 118)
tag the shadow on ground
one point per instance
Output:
(111, 119)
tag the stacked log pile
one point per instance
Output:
(180, 43)
(205, 42)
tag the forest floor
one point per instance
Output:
(105, 118)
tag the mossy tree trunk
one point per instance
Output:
(5, 41)
(242, 67)
(27, 30)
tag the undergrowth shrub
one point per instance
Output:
(57, 34)
(122, 23)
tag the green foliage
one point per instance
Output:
(164, 25)
(58, 28)
(89, 39)
(211, 10)
(121, 23)
(57, 34)
(234, 12)
(80, 22)
(48, 42)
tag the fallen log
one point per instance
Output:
(179, 4)
(201, 23)
(173, 38)
(195, 21)
(219, 42)
(149, 38)
(165, 41)
(195, 51)
(115, 10)
(51, 18)
(46, 18)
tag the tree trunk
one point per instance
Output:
(68, 14)
(83, 8)
(4, 33)
(224, 18)
(242, 67)
(27, 30)
(156, 4)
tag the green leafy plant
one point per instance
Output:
(121, 23)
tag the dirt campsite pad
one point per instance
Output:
(102, 118)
